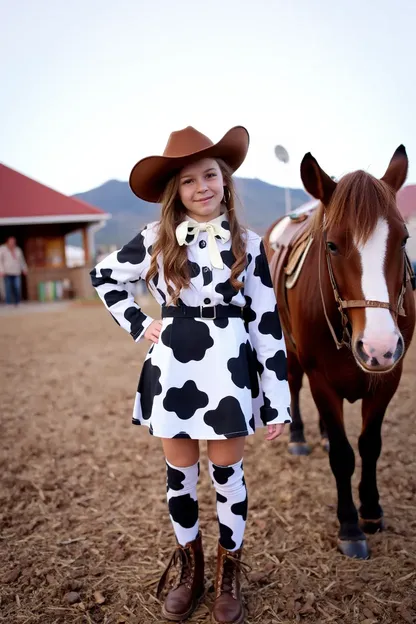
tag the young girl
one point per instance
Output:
(217, 367)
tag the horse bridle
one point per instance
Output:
(346, 340)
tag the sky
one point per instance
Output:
(88, 87)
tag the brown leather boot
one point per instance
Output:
(228, 606)
(188, 590)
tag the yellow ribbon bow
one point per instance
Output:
(192, 229)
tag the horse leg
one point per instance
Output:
(297, 444)
(324, 435)
(373, 409)
(352, 541)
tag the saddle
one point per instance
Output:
(291, 243)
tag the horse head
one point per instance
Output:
(363, 238)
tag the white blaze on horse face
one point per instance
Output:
(380, 335)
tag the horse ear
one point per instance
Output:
(315, 180)
(396, 173)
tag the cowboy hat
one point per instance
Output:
(150, 175)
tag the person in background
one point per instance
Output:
(12, 265)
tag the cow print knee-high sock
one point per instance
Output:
(182, 501)
(231, 492)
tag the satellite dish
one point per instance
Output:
(281, 153)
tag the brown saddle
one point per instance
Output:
(291, 249)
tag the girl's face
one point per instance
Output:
(201, 189)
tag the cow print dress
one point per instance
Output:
(204, 379)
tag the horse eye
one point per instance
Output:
(404, 241)
(332, 247)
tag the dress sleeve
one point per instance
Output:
(266, 336)
(114, 279)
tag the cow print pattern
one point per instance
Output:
(194, 269)
(176, 337)
(149, 387)
(114, 296)
(227, 417)
(104, 278)
(136, 318)
(134, 252)
(226, 290)
(204, 379)
(277, 364)
(185, 401)
(181, 484)
(249, 313)
(228, 258)
(232, 503)
(262, 268)
(270, 324)
(253, 369)
(239, 368)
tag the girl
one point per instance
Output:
(217, 367)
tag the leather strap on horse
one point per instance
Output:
(357, 303)
(345, 332)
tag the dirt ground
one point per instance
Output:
(83, 514)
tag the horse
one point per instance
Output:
(348, 323)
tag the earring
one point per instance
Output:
(227, 195)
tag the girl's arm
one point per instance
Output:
(266, 335)
(115, 277)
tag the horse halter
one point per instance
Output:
(343, 304)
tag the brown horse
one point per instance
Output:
(349, 320)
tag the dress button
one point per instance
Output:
(202, 244)
(207, 301)
(205, 269)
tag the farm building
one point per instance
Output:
(40, 219)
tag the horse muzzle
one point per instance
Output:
(378, 355)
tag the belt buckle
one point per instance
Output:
(208, 318)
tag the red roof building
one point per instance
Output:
(40, 219)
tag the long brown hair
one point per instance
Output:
(175, 257)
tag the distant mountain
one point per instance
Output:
(262, 204)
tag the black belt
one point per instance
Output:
(205, 312)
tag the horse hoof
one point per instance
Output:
(325, 444)
(299, 448)
(372, 526)
(357, 549)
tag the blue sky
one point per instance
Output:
(91, 86)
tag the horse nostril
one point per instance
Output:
(399, 349)
(388, 355)
(360, 350)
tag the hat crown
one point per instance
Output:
(185, 142)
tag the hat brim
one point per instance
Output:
(150, 175)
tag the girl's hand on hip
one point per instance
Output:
(152, 333)
(274, 431)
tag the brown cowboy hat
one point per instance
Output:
(150, 175)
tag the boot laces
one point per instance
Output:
(231, 567)
(182, 560)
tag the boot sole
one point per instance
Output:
(239, 621)
(176, 617)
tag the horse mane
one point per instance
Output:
(357, 204)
